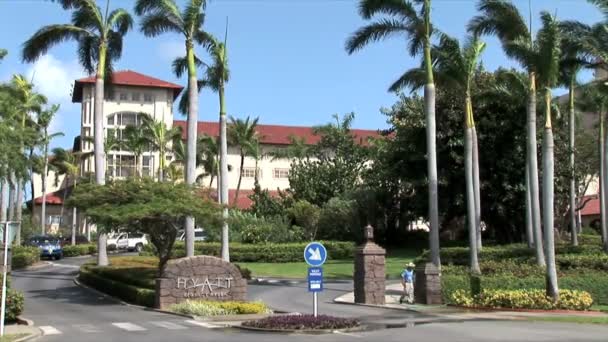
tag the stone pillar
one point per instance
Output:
(427, 289)
(369, 271)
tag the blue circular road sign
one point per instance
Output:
(315, 254)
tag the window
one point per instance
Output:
(147, 166)
(111, 96)
(135, 97)
(280, 173)
(123, 96)
(128, 119)
(111, 120)
(248, 172)
(110, 165)
(125, 166)
(148, 97)
(53, 219)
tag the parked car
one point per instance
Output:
(127, 241)
(199, 235)
(50, 247)
(80, 240)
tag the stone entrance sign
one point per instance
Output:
(369, 274)
(199, 277)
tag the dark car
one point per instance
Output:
(50, 247)
(80, 240)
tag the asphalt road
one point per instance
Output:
(67, 312)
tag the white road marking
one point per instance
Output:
(168, 325)
(87, 328)
(128, 326)
(203, 324)
(49, 330)
(347, 334)
(63, 265)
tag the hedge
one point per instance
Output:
(14, 305)
(78, 250)
(523, 299)
(288, 252)
(126, 292)
(596, 284)
(214, 308)
(24, 256)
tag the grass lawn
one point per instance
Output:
(571, 319)
(603, 308)
(11, 337)
(395, 262)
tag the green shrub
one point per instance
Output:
(14, 305)
(78, 250)
(24, 256)
(211, 308)
(270, 230)
(305, 215)
(523, 299)
(589, 231)
(126, 292)
(284, 252)
(143, 277)
(338, 219)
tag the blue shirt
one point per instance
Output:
(408, 276)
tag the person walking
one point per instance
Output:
(408, 276)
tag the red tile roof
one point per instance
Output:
(243, 202)
(592, 207)
(51, 198)
(128, 78)
(275, 134)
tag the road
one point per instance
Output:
(69, 313)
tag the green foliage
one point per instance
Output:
(523, 299)
(271, 230)
(209, 308)
(339, 221)
(14, 305)
(265, 205)
(285, 252)
(24, 256)
(589, 231)
(78, 250)
(305, 215)
(129, 293)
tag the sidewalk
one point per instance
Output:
(28, 332)
(444, 312)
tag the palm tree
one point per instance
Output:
(502, 19)
(3, 53)
(548, 54)
(136, 141)
(160, 137)
(67, 163)
(99, 36)
(44, 121)
(208, 152)
(161, 16)
(242, 134)
(403, 19)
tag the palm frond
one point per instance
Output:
(549, 50)
(399, 8)
(87, 53)
(182, 106)
(155, 24)
(194, 15)
(414, 79)
(47, 37)
(88, 17)
(120, 21)
(206, 40)
(3, 53)
(374, 32)
(180, 65)
(602, 5)
(500, 18)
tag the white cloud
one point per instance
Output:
(54, 79)
(169, 50)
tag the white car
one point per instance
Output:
(128, 241)
(199, 235)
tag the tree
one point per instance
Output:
(159, 137)
(502, 19)
(243, 135)
(99, 37)
(548, 57)
(67, 163)
(403, 19)
(208, 151)
(136, 141)
(3, 53)
(160, 16)
(157, 209)
(44, 121)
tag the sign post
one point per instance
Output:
(315, 255)
(8, 235)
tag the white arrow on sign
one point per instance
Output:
(315, 254)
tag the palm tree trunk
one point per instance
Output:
(429, 108)
(548, 178)
(532, 157)
(238, 185)
(12, 196)
(212, 178)
(191, 143)
(44, 175)
(98, 146)
(74, 215)
(476, 185)
(19, 212)
(571, 128)
(470, 186)
(32, 188)
(602, 149)
(3, 199)
(161, 164)
(529, 228)
(223, 178)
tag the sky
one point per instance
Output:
(287, 58)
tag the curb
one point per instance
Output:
(535, 311)
(338, 301)
(303, 332)
(30, 337)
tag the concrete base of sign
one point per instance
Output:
(199, 278)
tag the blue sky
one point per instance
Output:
(287, 57)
